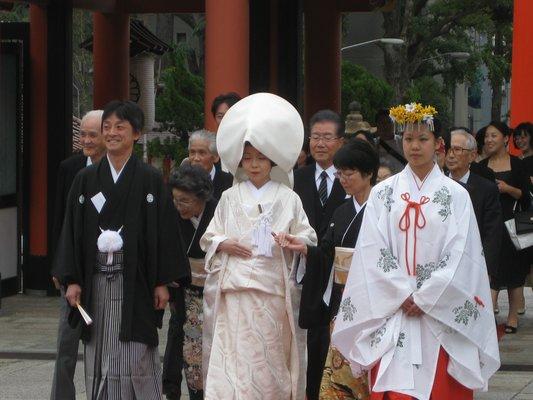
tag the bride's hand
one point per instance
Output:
(234, 248)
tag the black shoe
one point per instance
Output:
(511, 329)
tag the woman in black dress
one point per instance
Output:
(511, 179)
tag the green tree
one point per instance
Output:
(180, 106)
(360, 85)
(430, 28)
(427, 90)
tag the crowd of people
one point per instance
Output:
(293, 265)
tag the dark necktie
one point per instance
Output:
(323, 188)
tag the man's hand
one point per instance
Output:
(73, 294)
(410, 308)
(290, 242)
(57, 285)
(234, 248)
(161, 297)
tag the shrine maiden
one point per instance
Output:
(416, 309)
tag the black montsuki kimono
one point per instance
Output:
(342, 231)
(154, 254)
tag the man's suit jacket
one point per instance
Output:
(67, 171)
(305, 187)
(221, 181)
(486, 201)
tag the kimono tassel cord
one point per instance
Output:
(405, 223)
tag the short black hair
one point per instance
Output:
(501, 126)
(125, 110)
(360, 155)
(328, 116)
(192, 179)
(229, 98)
(526, 127)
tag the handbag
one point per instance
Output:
(520, 229)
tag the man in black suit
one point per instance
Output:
(203, 152)
(484, 194)
(68, 339)
(321, 194)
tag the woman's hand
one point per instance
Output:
(290, 242)
(234, 248)
(504, 187)
(410, 308)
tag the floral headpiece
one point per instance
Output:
(405, 116)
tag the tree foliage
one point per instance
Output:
(432, 28)
(179, 107)
(360, 85)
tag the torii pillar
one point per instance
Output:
(522, 65)
(111, 52)
(227, 51)
(322, 81)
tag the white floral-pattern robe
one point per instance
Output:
(450, 284)
(252, 345)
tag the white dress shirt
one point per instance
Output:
(330, 179)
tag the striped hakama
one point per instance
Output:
(114, 369)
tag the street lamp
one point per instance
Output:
(392, 41)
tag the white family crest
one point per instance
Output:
(150, 198)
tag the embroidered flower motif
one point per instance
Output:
(465, 312)
(385, 195)
(348, 310)
(444, 199)
(387, 261)
(423, 272)
(192, 340)
(401, 338)
(376, 336)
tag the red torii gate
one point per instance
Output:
(238, 57)
(228, 57)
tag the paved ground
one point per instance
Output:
(28, 327)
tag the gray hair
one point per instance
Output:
(471, 143)
(92, 114)
(208, 136)
(192, 179)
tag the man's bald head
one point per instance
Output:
(91, 135)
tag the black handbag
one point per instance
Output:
(524, 222)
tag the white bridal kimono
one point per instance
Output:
(449, 284)
(252, 346)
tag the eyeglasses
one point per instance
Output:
(325, 138)
(183, 203)
(344, 174)
(458, 151)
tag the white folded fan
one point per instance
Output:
(88, 320)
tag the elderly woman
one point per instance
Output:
(192, 193)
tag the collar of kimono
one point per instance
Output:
(405, 224)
